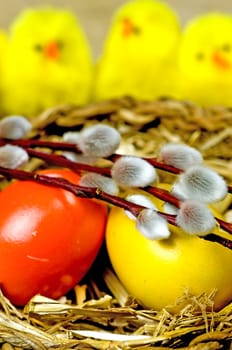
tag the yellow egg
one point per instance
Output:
(158, 272)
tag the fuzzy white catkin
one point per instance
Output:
(152, 225)
(129, 171)
(178, 190)
(106, 184)
(140, 200)
(71, 137)
(99, 140)
(74, 137)
(14, 127)
(79, 158)
(203, 184)
(12, 156)
(195, 218)
(170, 208)
(180, 156)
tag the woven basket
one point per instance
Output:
(99, 313)
(145, 126)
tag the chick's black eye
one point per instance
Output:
(38, 47)
(226, 48)
(137, 30)
(60, 44)
(199, 56)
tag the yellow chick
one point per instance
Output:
(48, 62)
(205, 60)
(138, 57)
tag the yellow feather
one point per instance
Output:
(139, 54)
(37, 76)
(205, 60)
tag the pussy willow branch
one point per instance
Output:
(77, 167)
(78, 190)
(72, 147)
(218, 239)
(63, 146)
(162, 194)
(167, 197)
(60, 160)
(88, 192)
(31, 143)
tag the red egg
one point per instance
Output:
(49, 238)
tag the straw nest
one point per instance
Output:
(146, 125)
(98, 313)
(113, 321)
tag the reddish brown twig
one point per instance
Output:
(88, 192)
(64, 146)
(59, 160)
(32, 143)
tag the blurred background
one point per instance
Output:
(95, 15)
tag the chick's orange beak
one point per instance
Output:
(51, 50)
(127, 27)
(220, 61)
